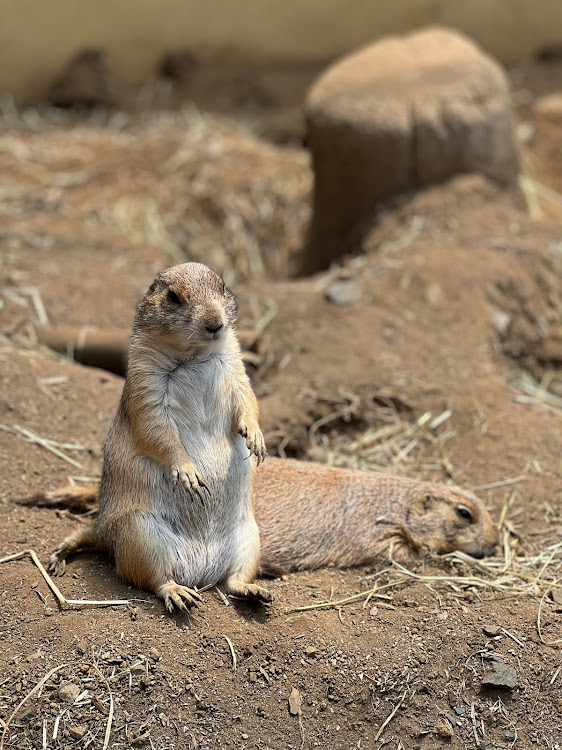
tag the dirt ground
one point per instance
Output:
(446, 366)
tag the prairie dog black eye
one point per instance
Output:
(223, 288)
(173, 298)
(464, 513)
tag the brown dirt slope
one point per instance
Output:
(456, 301)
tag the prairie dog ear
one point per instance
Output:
(424, 503)
(428, 501)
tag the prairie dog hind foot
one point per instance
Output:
(249, 591)
(81, 539)
(179, 597)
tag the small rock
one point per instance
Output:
(557, 596)
(68, 692)
(491, 630)
(502, 320)
(459, 710)
(244, 736)
(510, 736)
(500, 675)
(343, 293)
(373, 612)
(311, 651)
(77, 731)
(294, 702)
(26, 714)
(434, 294)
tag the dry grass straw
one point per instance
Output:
(111, 709)
(389, 718)
(537, 393)
(517, 575)
(52, 446)
(232, 652)
(226, 197)
(391, 444)
(62, 600)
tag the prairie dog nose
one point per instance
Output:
(214, 327)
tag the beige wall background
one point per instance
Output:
(38, 36)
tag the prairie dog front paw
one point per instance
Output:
(254, 441)
(190, 479)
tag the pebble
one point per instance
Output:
(491, 630)
(77, 731)
(510, 736)
(499, 675)
(295, 702)
(343, 293)
(68, 692)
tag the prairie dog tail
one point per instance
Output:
(74, 498)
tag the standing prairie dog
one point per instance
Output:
(175, 504)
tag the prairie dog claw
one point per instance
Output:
(190, 479)
(254, 442)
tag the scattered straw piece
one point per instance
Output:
(539, 629)
(389, 718)
(501, 483)
(513, 638)
(222, 596)
(40, 312)
(231, 647)
(110, 712)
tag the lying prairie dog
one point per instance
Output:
(175, 500)
(312, 515)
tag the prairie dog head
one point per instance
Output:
(187, 306)
(445, 519)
